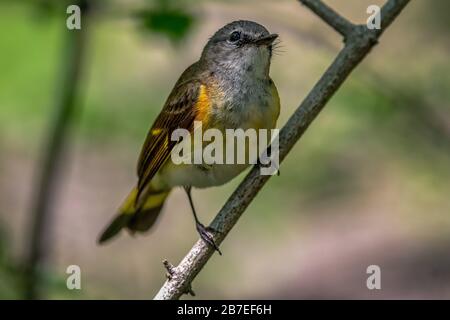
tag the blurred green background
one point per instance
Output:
(369, 183)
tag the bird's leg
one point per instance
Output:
(201, 229)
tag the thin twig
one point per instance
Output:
(360, 42)
(331, 17)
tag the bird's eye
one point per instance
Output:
(235, 36)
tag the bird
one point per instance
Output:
(229, 87)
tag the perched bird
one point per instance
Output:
(229, 87)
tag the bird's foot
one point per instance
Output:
(206, 234)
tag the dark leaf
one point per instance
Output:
(173, 23)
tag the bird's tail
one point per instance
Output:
(136, 217)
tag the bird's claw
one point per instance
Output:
(206, 234)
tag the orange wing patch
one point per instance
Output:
(203, 105)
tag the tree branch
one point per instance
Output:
(331, 17)
(359, 42)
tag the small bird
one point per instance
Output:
(229, 87)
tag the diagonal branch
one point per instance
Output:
(331, 17)
(359, 42)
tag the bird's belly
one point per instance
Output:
(208, 175)
(199, 176)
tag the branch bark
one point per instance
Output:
(358, 42)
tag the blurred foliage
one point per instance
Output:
(437, 16)
(10, 274)
(11, 277)
(407, 114)
(174, 23)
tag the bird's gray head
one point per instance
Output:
(240, 46)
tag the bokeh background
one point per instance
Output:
(369, 183)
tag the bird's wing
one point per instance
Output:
(185, 104)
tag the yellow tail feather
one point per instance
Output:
(136, 217)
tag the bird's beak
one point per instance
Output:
(266, 40)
